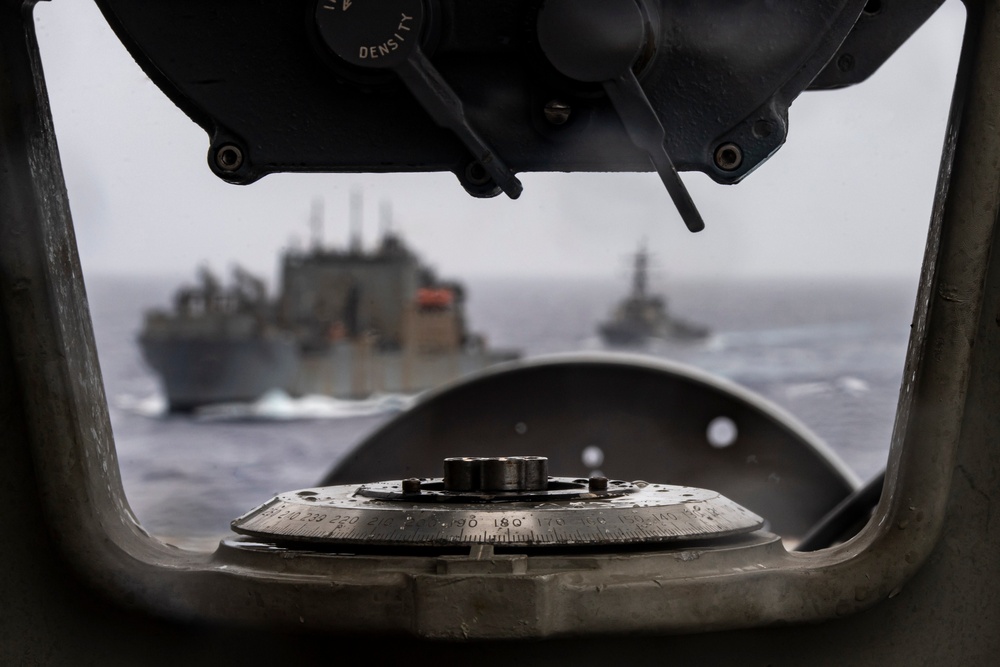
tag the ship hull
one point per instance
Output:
(201, 371)
(629, 334)
(354, 371)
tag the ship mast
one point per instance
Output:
(356, 221)
(385, 217)
(316, 224)
(639, 273)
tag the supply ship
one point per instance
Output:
(346, 323)
(641, 317)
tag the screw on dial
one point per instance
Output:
(386, 34)
(598, 41)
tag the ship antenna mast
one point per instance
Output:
(316, 224)
(356, 220)
(639, 272)
(385, 217)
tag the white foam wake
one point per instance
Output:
(276, 405)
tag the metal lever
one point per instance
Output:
(646, 131)
(599, 41)
(439, 100)
(386, 35)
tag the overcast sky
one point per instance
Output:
(849, 193)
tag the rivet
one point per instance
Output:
(728, 157)
(229, 158)
(557, 113)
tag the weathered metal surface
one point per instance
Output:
(496, 473)
(80, 567)
(884, 25)
(260, 77)
(344, 516)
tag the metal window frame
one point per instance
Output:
(43, 307)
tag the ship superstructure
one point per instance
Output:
(346, 323)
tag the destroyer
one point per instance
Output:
(346, 323)
(641, 317)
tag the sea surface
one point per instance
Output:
(829, 352)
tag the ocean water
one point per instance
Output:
(829, 352)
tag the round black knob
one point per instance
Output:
(377, 34)
(591, 40)
(496, 473)
(385, 34)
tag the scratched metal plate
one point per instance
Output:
(653, 513)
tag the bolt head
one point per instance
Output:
(557, 113)
(728, 157)
(598, 484)
(229, 158)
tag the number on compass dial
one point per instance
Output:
(598, 41)
(386, 34)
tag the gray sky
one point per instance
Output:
(849, 193)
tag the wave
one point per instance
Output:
(154, 405)
(276, 405)
(849, 385)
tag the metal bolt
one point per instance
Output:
(728, 157)
(229, 158)
(598, 484)
(411, 485)
(557, 113)
(476, 174)
(763, 128)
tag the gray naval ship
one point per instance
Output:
(641, 317)
(347, 323)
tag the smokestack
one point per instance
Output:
(356, 220)
(316, 224)
(385, 216)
